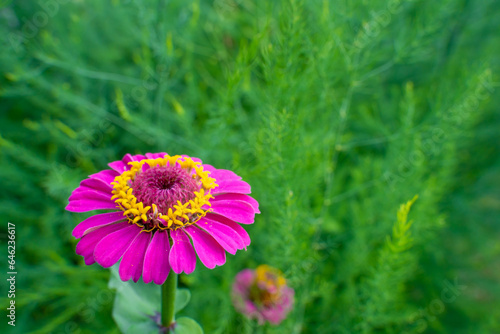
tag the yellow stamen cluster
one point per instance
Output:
(269, 276)
(181, 214)
(267, 286)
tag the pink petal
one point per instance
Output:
(221, 174)
(145, 167)
(138, 157)
(127, 158)
(118, 166)
(252, 312)
(94, 222)
(89, 205)
(122, 165)
(239, 211)
(242, 282)
(156, 265)
(182, 256)
(107, 175)
(155, 155)
(81, 193)
(274, 315)
(192, 158)
(228, 238)
(287, 298)
(97, 184)
(211, 254)
(238, 197)
(86, 245)
(110, 249)
(235, 226)
(133, 259)
(240, 292)
(280, 310)
(232, 186)
(208, 167)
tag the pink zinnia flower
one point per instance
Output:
(161, 206)
(262, 294)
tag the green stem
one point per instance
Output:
(168, 290)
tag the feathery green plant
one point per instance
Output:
(336, 112)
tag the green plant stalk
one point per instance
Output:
(168, 291)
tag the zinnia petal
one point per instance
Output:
(127, 158)
(243, 281)
(122, 165)
(86, 245)
(232, 186)
(138, 157)
(118, 166)
(110, 249)
(85, 205)
(192, 158)
(221, 174)
(133, 259)
(211, 254)
(182, 256)
(232, 224)
(97, 221)
(238, 197)
(156, 263)
(82, 194)
(273, 315)
(97, 184)
(239, 211)
(228, 238)
(107, 175)
(155, 155)
(287, 298)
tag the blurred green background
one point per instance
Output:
(336, 112)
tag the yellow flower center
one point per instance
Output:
(181, 213)
(268, 285)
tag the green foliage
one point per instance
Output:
(186, 325)
(336, 112)
(383, 308)
(137, 305)
(401, 239)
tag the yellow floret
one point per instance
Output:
(184, 214)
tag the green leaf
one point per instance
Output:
(136, 304)
(144, 328)
(182, 297)
(187, 325)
